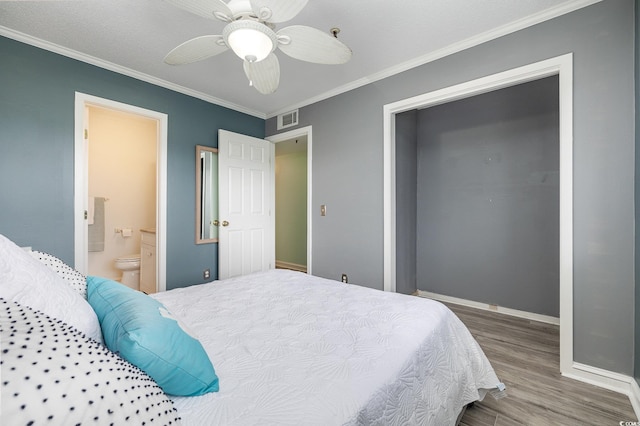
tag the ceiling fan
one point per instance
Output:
(250, 33)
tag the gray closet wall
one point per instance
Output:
(487, 212)
(406, 201)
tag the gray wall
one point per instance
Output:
(488, 198)
(406, 201)
(36, 152)
(347, 166)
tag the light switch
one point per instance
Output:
(323, 210)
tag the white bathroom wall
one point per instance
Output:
(122, 168)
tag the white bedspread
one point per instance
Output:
(293, 349)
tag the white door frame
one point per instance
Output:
(81, 196)
(281, 137)
(561, 66)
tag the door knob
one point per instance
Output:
(216, 222)
(225, 223)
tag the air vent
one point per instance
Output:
(288, 119)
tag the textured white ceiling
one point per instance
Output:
(133, 36)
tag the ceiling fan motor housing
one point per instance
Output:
(250, 40)
(240, 8)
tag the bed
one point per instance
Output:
(287, 348)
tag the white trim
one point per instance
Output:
(83, 57)
(520, 24)
(634, 397)
(488, 307)
(296, 133)
(562, 66)
(610, 380)
(80, 187)
(83, 100)
(598, 377)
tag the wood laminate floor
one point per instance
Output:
(525, 355)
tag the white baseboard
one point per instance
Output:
(634, 397)
(293, 266)
(602, 378)
(493, 308)
(610, 380)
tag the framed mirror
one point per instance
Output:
(206, 194)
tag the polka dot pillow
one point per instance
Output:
(26, 280)
(75, 279)
(52, 374)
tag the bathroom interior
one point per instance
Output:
(122, 197)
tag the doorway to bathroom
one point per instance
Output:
(120, 187)
(122, 192)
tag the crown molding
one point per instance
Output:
(520, 24)
(92, 60)
(545, 15)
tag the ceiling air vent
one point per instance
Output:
(288, 119)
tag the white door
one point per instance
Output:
(246, 235)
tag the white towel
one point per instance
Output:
(96, 231)
(91, 210)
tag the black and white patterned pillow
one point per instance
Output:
(75, 279)
(52, 374)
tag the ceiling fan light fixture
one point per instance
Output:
(250, 40)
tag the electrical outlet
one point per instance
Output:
(206, 274)
(345, 279)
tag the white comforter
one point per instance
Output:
(293, 349)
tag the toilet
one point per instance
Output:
(130, 267)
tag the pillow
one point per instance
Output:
(52, 374)
(73, 278)
(142, 331)
(26, 280)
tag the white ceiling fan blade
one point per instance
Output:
(196, 49)
(277, 10)
(312, 45)
(264, 75)
(212, 9)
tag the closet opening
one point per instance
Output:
(477, 191)
(478, 197)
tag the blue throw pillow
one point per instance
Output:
(142, 331)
